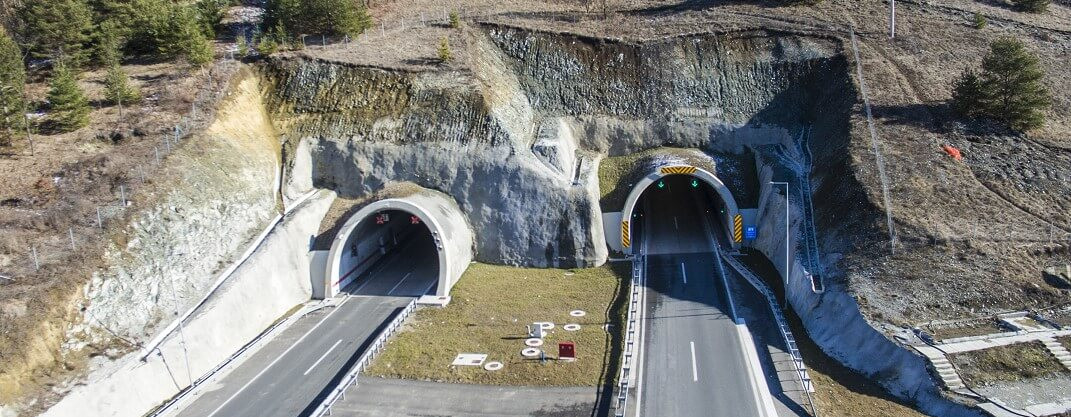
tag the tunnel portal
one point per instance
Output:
(415, 245)
(711, 196)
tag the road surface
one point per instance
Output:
(693, 362)
(292, 374)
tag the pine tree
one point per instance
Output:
(69, 105)
(1011, 79)
(56, 28)
(455, 19)
(12, 82)
(1032, 6)
(117, 87)
(444, 50)
(968, 98)
(321, 17)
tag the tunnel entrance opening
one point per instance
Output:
(390, 252)
(714, 197)
(678, 214)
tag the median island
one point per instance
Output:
(490, 308)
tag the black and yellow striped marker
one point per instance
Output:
(625, 241)
(682, 169)
(738, 228)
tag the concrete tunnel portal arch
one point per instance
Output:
(437, 213)
(730, 216)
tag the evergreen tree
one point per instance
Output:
(117, 88)
(56, 28)
(1011, 79)
(69, 105)
(444, 50)
(321, 17)
(968, 98)
(12, 82)
(455, 19)
(1032, 6)
(108, 48)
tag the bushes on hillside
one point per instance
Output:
(68, 103)
(12, 81)
(1008, 89)
(320, 17)
(56, 28)
(1032, 6)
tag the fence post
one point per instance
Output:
(70, 232)
(122, 196)
(157, 150)
(100, 223)
(36, 263)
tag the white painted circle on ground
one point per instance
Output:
(577, 313)
(492, 366)
(534, 342)
(546, 325)
(530, 352)
(572, 327)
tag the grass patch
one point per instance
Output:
(1065, 341)
(491, 305)
(1014, 362)
(975, 328)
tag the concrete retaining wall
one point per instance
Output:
(833, 319)
(272, 281)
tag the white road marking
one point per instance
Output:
(695, 371)
(262, 371)
(684, 275)
(324, 356)
(399, 283)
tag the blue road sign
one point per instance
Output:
(751, 232)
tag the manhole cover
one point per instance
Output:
(534, 342)
(493, 366)
(577, 313)
(572, 327)
(530, 352)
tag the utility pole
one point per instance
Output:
(892, 19)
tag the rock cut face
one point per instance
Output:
(517, 137)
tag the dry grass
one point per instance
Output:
(490, 308)
(975, 328)
(1014, 362)
(1065, 341)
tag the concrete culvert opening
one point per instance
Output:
(404, 247)
(680, 205)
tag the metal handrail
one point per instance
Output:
(351, 378)
(631, 335)
(786, 333)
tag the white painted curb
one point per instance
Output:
(754, 370)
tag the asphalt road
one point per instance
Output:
(693, 362)
(292, 374)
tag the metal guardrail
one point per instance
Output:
(212, 372)
(339, 392)
(782, 324)
(632, 329)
